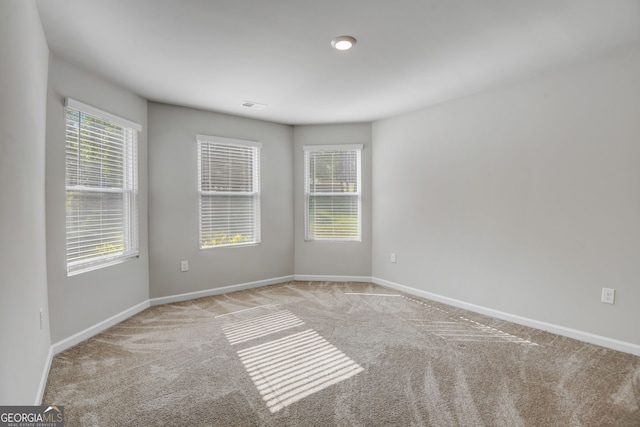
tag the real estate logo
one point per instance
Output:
(32, 416)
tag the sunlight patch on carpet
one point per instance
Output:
(260, 326)
(470, 330)
(291, 368)
(372, 295)
(462, 329)
(247, 309)
(425, 304)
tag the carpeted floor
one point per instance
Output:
(344, 354)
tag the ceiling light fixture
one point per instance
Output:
(343, 42)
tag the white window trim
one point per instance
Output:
(257, 184)
(98, 262)
(340, 147)
(229, 141)
(107, 117)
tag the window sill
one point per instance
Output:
(97, 266)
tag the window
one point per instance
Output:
(229, 187)
(332, 192)
(102, 188)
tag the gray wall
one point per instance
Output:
(523, 200)
(173, 203)
(84, 300)
(23, 270)
(333, 258)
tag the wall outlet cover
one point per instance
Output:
(608, 295)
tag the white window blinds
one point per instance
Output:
(101, 188)
(333, 192)
(229, 187)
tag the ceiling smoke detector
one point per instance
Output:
(254, 105)
(343, 42)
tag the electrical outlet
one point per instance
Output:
(394, 257)
(184, 265)
(608, 295)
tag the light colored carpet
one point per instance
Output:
(344, 354)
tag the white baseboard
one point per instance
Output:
(549, 327)
(560, 330)
(97, 328)
(218, 291)
(44, 377)
(325, 278)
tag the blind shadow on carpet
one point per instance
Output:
(343, 354)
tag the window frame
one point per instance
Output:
(128, 190)
(255, 194)
(308, 194)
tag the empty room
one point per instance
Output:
(297, 213)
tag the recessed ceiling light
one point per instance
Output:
(343, 42)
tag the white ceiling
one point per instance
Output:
(216, 54)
